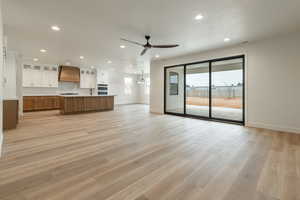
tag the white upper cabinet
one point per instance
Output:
(27, 76)
(37, 77)
(50, 76)
(47, 76)
(88, 78)
(40, 76)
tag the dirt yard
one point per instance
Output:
(216, 102)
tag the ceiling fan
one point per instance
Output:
(148, 46)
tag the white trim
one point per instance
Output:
(246, 82)
(156, 113)
(1, 144)
(273, 127)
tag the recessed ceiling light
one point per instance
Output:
(92, 67)
(35, 59)
(199, 17)
(122, 46)
(109, 62)
(81, 57)
(68, 63)
(55, 28)
(43, 50)
(157, 56)
(226, 39)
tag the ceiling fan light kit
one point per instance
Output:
(148, 46)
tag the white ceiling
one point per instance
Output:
(92, 28)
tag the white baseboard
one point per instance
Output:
(156, 113)
(156, 110)
(273, 127)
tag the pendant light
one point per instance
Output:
(141, 80)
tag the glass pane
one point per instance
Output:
(197, 89)
(227, 89)
(175, 90)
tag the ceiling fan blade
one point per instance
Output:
(144, 51)
(165, 46)
(132, 42)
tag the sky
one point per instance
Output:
(223, 78)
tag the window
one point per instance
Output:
(147, 89)
(128, 85)
(174, 79)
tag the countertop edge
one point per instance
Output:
(68, 95)
(86, 96)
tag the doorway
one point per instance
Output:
(212, 89)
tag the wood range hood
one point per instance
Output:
(69, 74)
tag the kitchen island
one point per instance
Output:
(72, 104)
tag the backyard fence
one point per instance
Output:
(217, 91)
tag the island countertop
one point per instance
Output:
(87, 95)
(71, 104)
(60, 95)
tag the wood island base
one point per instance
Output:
(82, 104)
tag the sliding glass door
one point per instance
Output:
(212, 89)
(197, 89)
(174, 90)
(227, 89)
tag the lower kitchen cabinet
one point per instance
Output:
(39, 103)
(10, 114)
(81, 104)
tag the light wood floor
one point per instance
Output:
(131, 154)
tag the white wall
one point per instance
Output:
(19, 77)
(10, 76)
(121, 84)
(273, 83)
(272, 80)
(144, 90)
(1, 78)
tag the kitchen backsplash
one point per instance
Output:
(63, 87)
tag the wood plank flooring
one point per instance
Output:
(130, 154)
